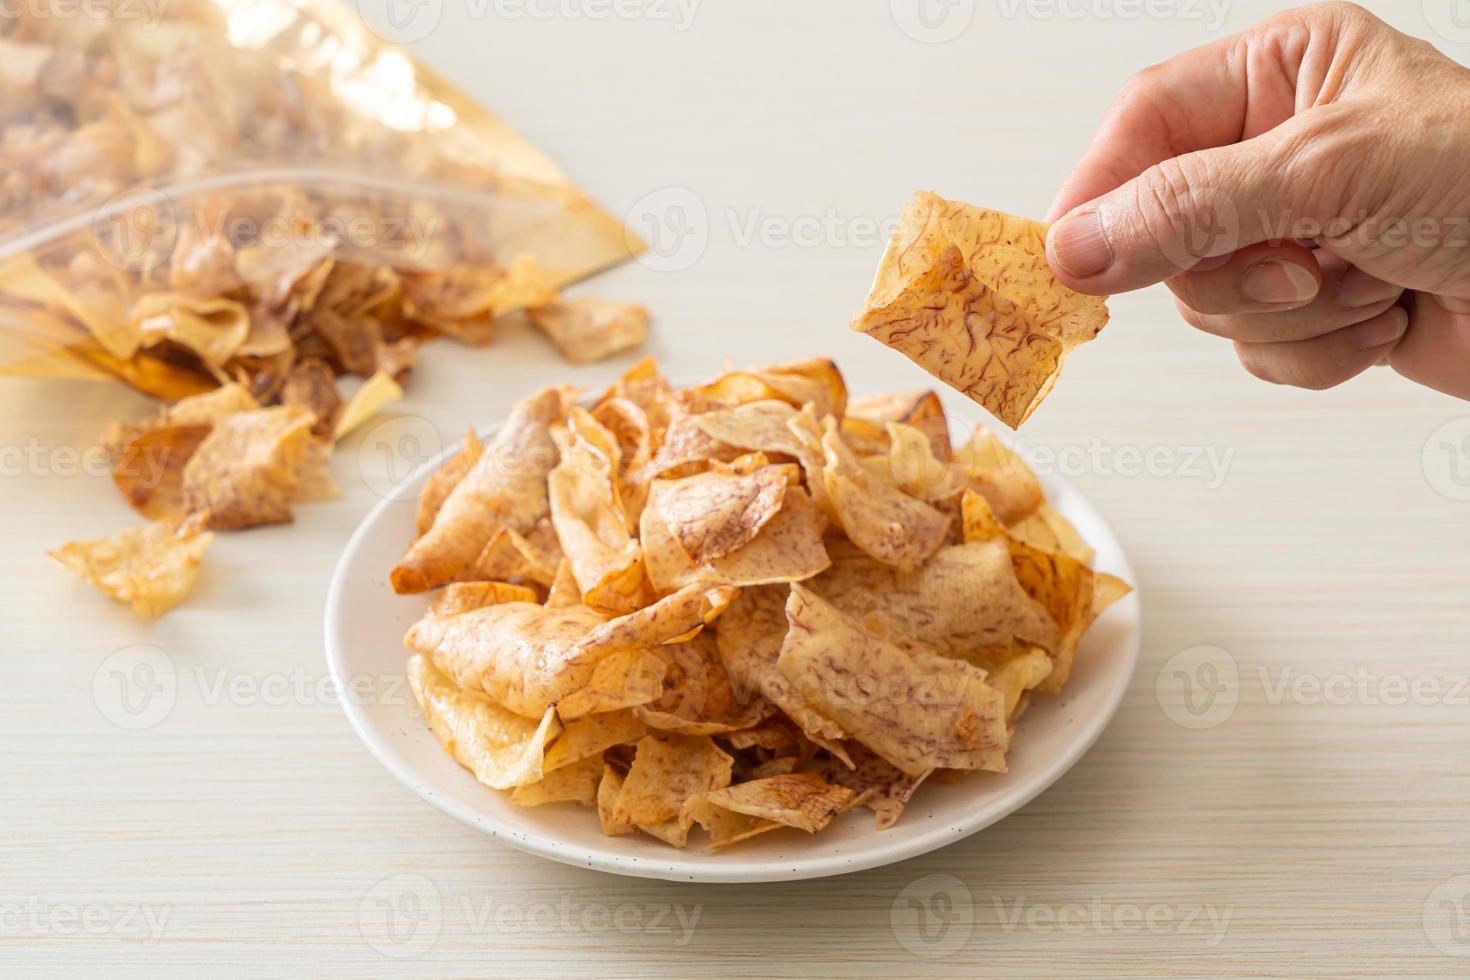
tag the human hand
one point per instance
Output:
(1213, 172)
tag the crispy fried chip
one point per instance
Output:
(1000, 476)
(249, 469)
(312, 385)
(150, 470)
(967, 294)
(910, 464)
(916, 709)
(151, 567)
(593, 735)
(576, 783)
(587, 512)
(965, 601)
(880, 518)
(882, 787)
(865, 426)
(501, 748)
(587, 330)
(212, 328)
(461, 597)
(375, 394)
(803, 800)
(712, 514)
(607, 797)
(1050, 531)
(726, 827)
(668, 771)
(624, 679)
(445, 479)
(815, 382)
(749, 639)
(505, 488)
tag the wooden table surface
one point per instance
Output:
(1283, 793)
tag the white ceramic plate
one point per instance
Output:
(365, 623)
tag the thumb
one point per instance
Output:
(1175, 215)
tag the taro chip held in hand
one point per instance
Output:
(967, 294)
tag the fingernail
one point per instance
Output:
(1276, 282)
(1081, 244)
(1358, 289)
(1383, 329)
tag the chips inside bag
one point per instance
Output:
(214, 190)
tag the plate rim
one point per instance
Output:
(678, 868)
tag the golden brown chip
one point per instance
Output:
(624, 679)
(749, 639)
(726, 827)
(576, 783)
(1050, 531)
(878, 516)
(151, 567)
(803, 800)
(965, 601)
(967, 294)
(865, 425)
(1016, 675)
(445, 479)
(593, 735)
(607, 797)
(667, 771)
(816, 382)
(909, 463)
(461, 597)
(587, 330)
(505, 488)
(376, 393)
(587, 512)
(916, 709)
(150, 470)
(312, 385)
(712, 514)
(882, 787)
(463, 301)
(1001, 477)
(212, 328)
(501, 748)
(249, 469)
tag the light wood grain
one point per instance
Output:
(1314, 832)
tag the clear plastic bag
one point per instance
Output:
(212, 190)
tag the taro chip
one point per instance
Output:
(607, 797)
(910, 464)
(967, 294)
(248, 470)
(1018, 674)
(711, 514)
(1000, 476)
(816, 382)
(865, 424)
(150, 471)
(916, 709)
(445, 479)
(587, 512)
(622, 680)
(502, 749)
(749, 639)
(576, 783)
(212, 328)
(788, 549)
(564, 591)
(726, 827)
(375, 394)
(152, 568)
(803, 800)
(312, 385)
(506, 487)
(880, 518)
(883, 788)
(462, 597)
(1048, 530)
(761, 426)
(593, 735)
(668, 771)
(586, 330)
